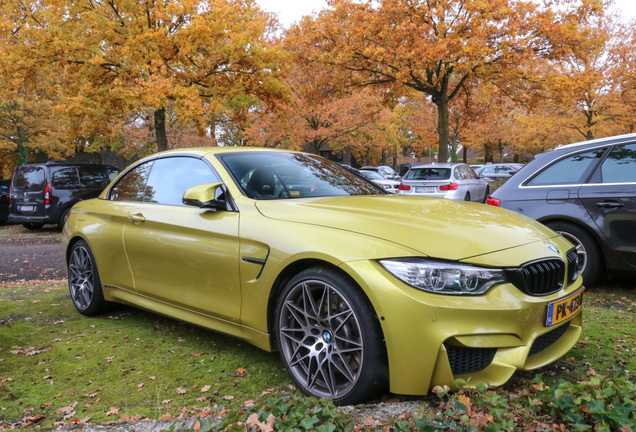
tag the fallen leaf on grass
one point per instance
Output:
(30, 351)
(268, 426)
(240, 372)
(112, 411)
(182, 390)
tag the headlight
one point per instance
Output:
(442, 277)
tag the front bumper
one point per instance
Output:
(435, 339)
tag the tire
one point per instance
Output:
(486, 194)
(83, 281)
(63, 217)
(32, 226)
(329, 338)
(467, 196)
(590, 261)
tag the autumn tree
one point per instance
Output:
(436, 47)
(27, 117)
(321, 113)
(583, 84)
(116, 57)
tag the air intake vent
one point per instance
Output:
(539, 278)
(464, 360)
(544, 341)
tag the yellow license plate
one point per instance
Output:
(563, 309)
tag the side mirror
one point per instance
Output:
(204, 196)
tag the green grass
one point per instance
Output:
(57, 366)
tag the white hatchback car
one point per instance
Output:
(453, 181)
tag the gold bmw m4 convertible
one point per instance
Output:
(359, 290)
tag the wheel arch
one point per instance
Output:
(289, 272)
(69, 246)
(576, 222)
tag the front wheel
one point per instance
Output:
(329, 337)
(83, 280)
(590, 263)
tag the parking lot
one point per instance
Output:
(31, 255)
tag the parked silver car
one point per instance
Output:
(491, 172)
(453, 181)
(388, 185)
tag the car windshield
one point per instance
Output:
(372, 175)
(428, 174)
(264, 175)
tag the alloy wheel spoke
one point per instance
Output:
(308, 303)
(344, 368)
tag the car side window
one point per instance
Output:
(619, 167)
(460, 174)
(132, 186)
(171, 177)
(65, 178)
(505, 170)
(573, 169)
(94, 177)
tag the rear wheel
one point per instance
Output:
(467, 196)
(329, 338)
(32, 226)
(63, 218)
(83, 280)
(590, 263)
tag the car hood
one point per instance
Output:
(434, 227)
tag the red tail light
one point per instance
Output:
(47, 194)
(452, 186)
(493, 202)
(404, 187)
(10, 195)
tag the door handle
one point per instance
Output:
(609, 204)
(136, 218)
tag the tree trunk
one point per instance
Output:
(160, 129)
(396, 155)
(23, 151)
(442, 127)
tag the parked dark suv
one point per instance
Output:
(43, 193)
(587, 192)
